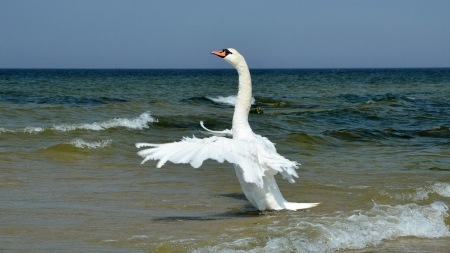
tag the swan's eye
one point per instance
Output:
(227, 52)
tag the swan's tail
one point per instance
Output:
(297, 206)
(224, 133)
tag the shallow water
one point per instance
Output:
(373, 144)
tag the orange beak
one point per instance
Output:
(221, 54)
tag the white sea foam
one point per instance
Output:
(356, 230)
(33, 129)
(79, 143)
(133, 123)
(440, 188)
(138, 237)
(230, 100)
(23, 130)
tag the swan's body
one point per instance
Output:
(254, 157)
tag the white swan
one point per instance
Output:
(254, 157)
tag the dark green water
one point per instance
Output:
(374, 145)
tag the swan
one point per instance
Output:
(254, 157)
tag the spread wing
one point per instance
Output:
(194, 151)
(274, 162)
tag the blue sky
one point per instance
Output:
(181, 34)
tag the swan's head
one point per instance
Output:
(231, 55)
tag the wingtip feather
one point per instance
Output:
(142, 145)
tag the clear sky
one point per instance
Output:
(181, 34)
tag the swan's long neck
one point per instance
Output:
(243, 102)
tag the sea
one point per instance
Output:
(374, 148)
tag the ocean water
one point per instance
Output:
(374, 145)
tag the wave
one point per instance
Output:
(230, 100)
(75, 146)
(367, 134)
(134, 123)
(15, 97)
(79, 143)
(355, 231)
(271, 102)
(415, 105)
(309, 139)
(23, 130)
(422, 193)
(368, 98)
(439, 132)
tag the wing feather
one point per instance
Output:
(274, 162)
(194, 151)
(255, 158)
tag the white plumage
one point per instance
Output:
(254, 157)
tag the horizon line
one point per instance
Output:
(327, 68)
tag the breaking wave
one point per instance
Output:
(347, 231)
(79, 143)
(422, 193)
(230, 100)
(133, 123)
